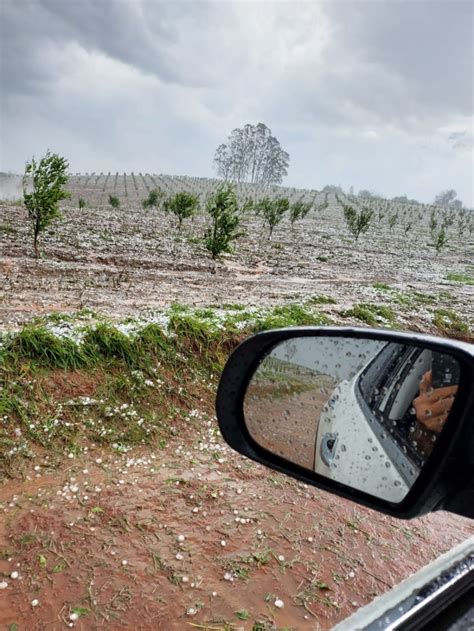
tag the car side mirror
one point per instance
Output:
(379, 417)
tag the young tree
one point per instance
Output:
(48, 178)
(114, 201)
(358, 221)
(272, 211)
(223, 210)
(183, 205)
(154, 199)
(440, 239)
(299, 210)
(81, 202)
(392, 220)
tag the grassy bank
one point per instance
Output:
(72, 382)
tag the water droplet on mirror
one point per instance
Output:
(368, 457)
(388, 464)
(343, 448)
(397, 483)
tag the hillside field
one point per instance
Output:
(121, 505)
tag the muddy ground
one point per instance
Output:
(194, 536)
(122, 261)
(199, 536)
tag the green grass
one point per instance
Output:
(449, 323)
(371, 314)
(458, 277)
(140, 378)
(382, 287)
(321, 300)
(291, 315)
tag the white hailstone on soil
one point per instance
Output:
(3, 585)
(228, 576)
(279, 603)
(214, 594)
(35, 602)
(185, 579)
(223, 543)
(179, 557)
(74, 616)
(192, 611)
(281, 558)
(98, 460)
(124, 562)
(14, 575)
(310, 539)
(180, 538)
(351, 574)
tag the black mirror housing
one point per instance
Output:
(444, 482)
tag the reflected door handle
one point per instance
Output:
(328, 448)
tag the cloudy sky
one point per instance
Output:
(373, 94)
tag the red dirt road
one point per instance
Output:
(102, 538)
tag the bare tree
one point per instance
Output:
(253, 155)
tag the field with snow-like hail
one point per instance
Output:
(121, 504)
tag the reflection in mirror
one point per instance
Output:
(362, 412)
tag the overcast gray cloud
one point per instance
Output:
(375, 94)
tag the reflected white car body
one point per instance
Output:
(354, 448)
(359, 457)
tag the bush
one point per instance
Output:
(114, 201)
(154, 199)
(183, 205)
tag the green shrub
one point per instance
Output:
(114, 201)
(183, 205)
(223, 211)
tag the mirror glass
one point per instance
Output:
(362, 412)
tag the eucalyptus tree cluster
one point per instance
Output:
(448, 199)
(252, 154)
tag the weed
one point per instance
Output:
(458, 277)
(321, 300)
(450, 323)
(290, 315)
(371, 314)
(382, 287)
